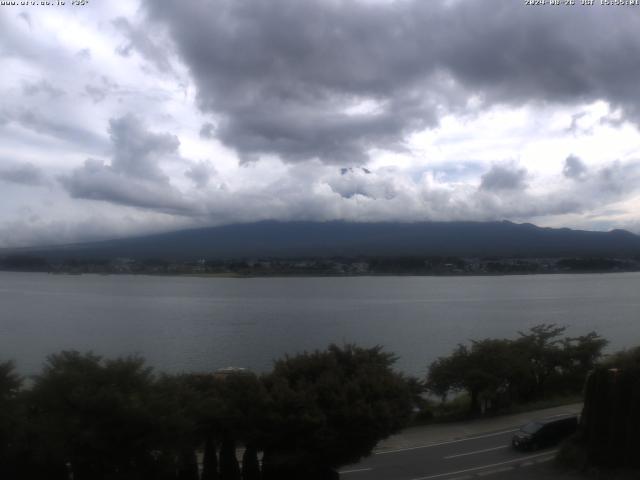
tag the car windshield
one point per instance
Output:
(531, 427)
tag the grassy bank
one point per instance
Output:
(457, 409)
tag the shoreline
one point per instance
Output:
(321, 275)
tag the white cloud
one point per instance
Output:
(161, 160)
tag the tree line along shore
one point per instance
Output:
(331, 266)
(87, 417)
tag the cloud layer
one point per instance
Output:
(132, 117)
(134, 176)
(362, 76)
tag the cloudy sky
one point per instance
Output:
(119, 118)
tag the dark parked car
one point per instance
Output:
(542, 433)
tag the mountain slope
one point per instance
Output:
(323, 239)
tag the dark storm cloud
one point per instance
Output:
(504, 177)
(284, 85)
(283, 74)
(97, 181)
(207, 130)
(134, 177)
(24, 174)
(136, 150)
(574, 168)
(613, 182)
(200, 173)
(618, 178)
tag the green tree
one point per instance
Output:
(492, 373)
(11, 420)
(542, 347)
(488, 372)
(184, 406)
(581, 355)
(10, 382)
(229, 467)
(250, 464)
(446, 374)
(210, 460)
(331, 408)
(610, 418)
(498, 372)
(92, 414)
(230, 412)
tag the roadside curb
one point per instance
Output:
(429, 435)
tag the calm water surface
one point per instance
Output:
(200, 324)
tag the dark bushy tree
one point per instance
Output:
(188, 465)
(10, 382)
(210, 460)
(488, 371)
(241, 419)
(93, 414)
(581, 355)
(446, 373)
(114, 419)
(250, 463)
(331, 408)
(541, 346)
(229, 467)
(11, 420)
(498, 372)
(611, 419)
(186, 407)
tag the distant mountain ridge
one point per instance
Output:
(338, 238)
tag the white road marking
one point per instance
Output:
(477, 451)
(446, 443)
(543, 460)
(495, 470)
(439, 475)
(344, 472)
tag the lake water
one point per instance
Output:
(201, 324)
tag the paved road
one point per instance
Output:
(480, 455)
